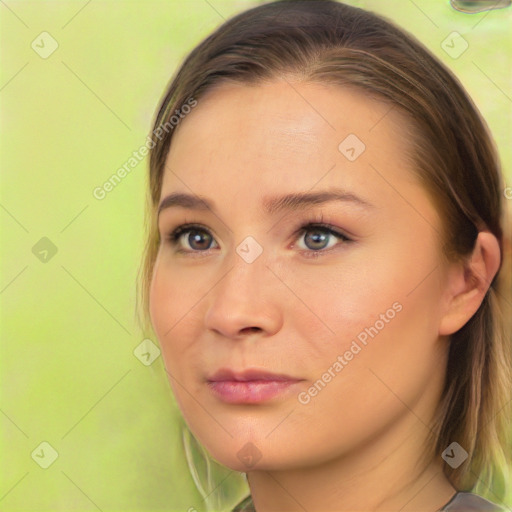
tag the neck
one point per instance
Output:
(383, 475)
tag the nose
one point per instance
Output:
(246, 301)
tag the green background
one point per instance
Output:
(69, 376)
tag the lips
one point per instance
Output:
(249, 386)
(225, 374)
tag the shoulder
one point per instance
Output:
(469, 502)
(461, 502)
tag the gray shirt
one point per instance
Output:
(461, 502)
(468, 502)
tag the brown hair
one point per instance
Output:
(455, 159)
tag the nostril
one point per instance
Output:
(251, 329)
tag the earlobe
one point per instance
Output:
(470, 283)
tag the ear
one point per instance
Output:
(468, 283)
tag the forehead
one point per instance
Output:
(284, 135)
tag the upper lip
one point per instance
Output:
(226, 374)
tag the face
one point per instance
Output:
(297, 330)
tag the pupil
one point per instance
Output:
(318, 239)
(198, 238)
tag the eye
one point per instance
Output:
(191, 238)
(318, 237)
(313, 238)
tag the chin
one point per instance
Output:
(245, 453)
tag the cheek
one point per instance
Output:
(384, 354)
(171, 303)
(174, 316)
(374, 310)
(161, 295)
(340, 302)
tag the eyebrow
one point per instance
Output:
(271, 205)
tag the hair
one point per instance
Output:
(454, 158)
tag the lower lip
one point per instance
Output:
(249, 392)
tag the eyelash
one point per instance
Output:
(310, 225)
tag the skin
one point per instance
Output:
(291, 312)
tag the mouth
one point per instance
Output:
(249, 386)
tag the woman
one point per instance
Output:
(326, 265)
